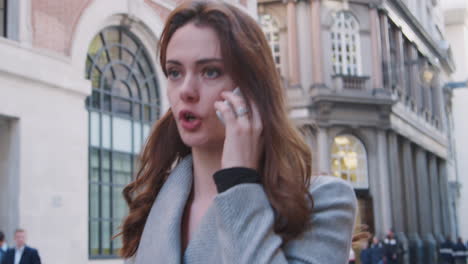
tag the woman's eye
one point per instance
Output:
(212, 73)
(173, 74)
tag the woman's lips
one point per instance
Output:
(189, 120)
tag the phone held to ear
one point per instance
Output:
(236, 91)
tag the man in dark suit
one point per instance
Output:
(21, 254)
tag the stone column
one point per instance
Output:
(400, 65)
(383, 186)
(443, 183)
(415, 243)
(435, 199)
(397, 192)
(293, 56)
(386, 61)
(377, 80)
(415, 79)
(424, 207)
(323, 151)
(317, 51)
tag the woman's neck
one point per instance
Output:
(205, 164)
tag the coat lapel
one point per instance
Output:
(161, 238)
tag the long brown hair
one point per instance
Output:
(286, 160)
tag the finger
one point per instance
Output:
(240, 110)
(256, 118)
(226, 112)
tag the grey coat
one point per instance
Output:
(238, 227)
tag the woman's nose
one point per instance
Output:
(189, 89)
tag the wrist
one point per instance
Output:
(230, 177)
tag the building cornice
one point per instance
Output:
(400, 14)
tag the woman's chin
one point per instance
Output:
(202, 143)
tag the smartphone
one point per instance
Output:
(236, 91)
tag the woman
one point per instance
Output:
(237, 190)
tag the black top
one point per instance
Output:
(230, 177)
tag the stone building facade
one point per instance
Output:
(365, 79)
(456, 27)
(80, 87)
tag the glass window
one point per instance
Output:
(122, 107)
(271, 30)
(3, 18)
(349, 160)
(345, 44)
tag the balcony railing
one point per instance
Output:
(350, 82)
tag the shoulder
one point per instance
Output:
(326, 190)
(30, 249)
(328, 237)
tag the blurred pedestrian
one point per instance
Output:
(21, 253)
(365, 255)
(391, 248)
(376, 251)
(352, 256)
(459, 252)
(446, 251)
(2, 241)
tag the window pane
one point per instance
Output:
(117, 243)
(146, 130)
(94, 129)
(129, 43)
(146, 113)
(106, 237)
(95, 100)
(106, 135)
(122, 107)
(94, 166)
(2, 20)
(105, 199)
(349, 160)
(122, 165)
(120, 88)
(105, 167)
(119, 204)
(94, 237)
(122, 134)
(137, 140)
(94, 201)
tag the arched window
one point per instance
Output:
(345, 41)
(349, 160)
(123, 105)
(271, 30)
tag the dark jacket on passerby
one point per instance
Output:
(391, 250)
(366, 256)
(2, 254)
(459, 251)
(446, 252)
(377, 253)
(30, 256)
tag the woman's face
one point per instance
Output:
(196, 78)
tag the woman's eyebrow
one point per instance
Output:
(198, 62)
(208, 60)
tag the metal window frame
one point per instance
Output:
(5, 18)
(144, 80)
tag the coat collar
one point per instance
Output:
(161, 238)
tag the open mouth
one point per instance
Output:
(188, 116)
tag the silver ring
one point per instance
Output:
(241, 111)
